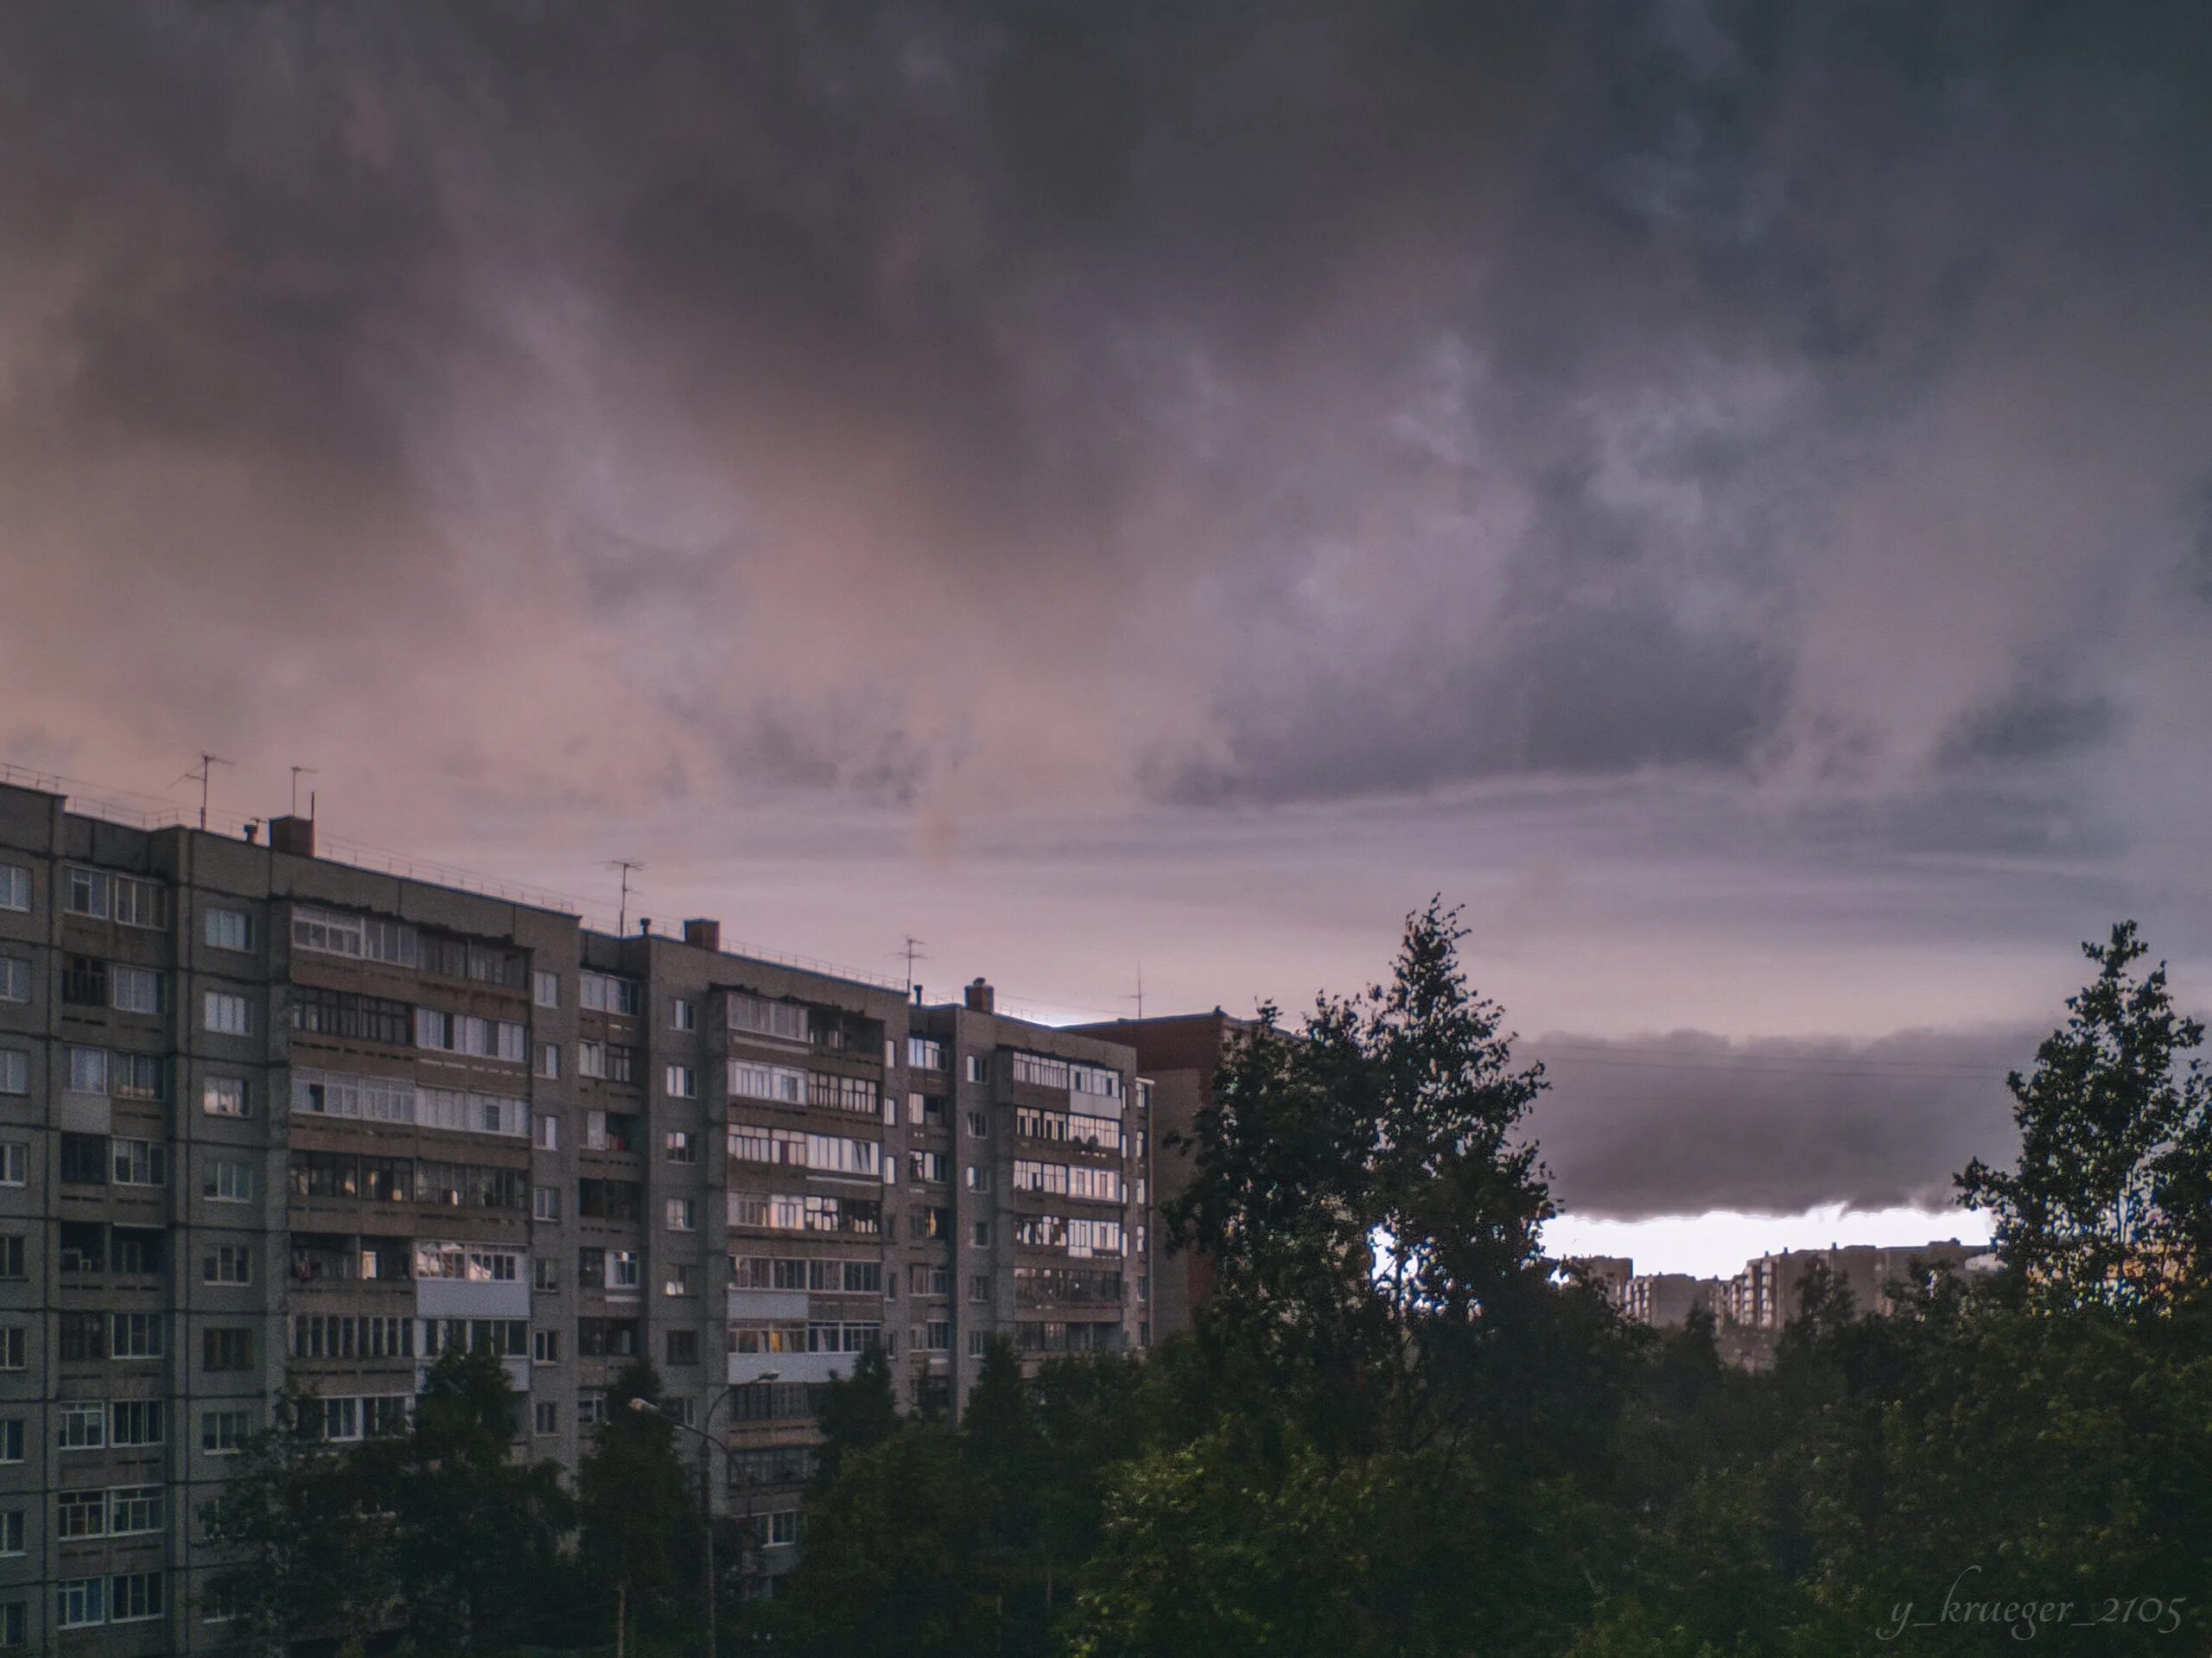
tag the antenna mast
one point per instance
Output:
(914, 953)
(296, 771)
(628, 867)
(207, 764)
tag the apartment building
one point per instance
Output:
(1766, 1295)
(266, 1115)
(1029, 1160)
(1179, 1055)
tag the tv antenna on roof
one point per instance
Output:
(296, 771)
(1139, 997)
(628, 867)
(208, 764)
(913, 953)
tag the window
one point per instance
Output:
(782, 1529)
(223, 1096)
(979, 1124)
(549, 1133)
(978, 1340)
(977, 1179)
(786, 1022)
(980, 1236)
(329, 933)
(602, 993)
(681, 1082)
(132, 1510)
(136, 990)
(14, 979)
(925, 1053)
(135, 1597)
(118, 897)
(11, 1347)
(545, 1274)
(228, 929)
(141, 1163)
(548, 1061)
(678, 1280)
(11, 1256)
(226, 1350)
(227, 1263)
(15, 1077)
(137, 1076)
(138, 1422)
(606, 1338)
(683, 1015)
(544, 1347)
(134, 1335)
(779, 1083)
(84, 1160)
(856, 1093)
(591, 1409)
(466, 1034)
(226, 1014)
(979, 1288)
(79, 1603)
(87, 893)
(15, 888)
(545, 988)
(976, 1071)
(88, 1071)
(349, 1017)
(11, 1438)
(683, 1347)
(545, 1204)
(224, 1432)
(545, 1417)
(680, 1215)
(226, 1181)
(680, 1145)
(11, 1531)
(929, 1165)
(81, 1428)
(613, 1131)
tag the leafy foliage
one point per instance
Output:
(2112, 1201)
(1399, 1431)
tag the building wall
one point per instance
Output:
(1179, 1055)
(739, 1169)
(1004, 1270)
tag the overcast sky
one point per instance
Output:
(1723, 490)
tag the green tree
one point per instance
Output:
(638, 1509)
(313, 1551)
(857, 1411)
(476, 1534)
(2111, 1200)
(893, 1566)
(1364, 1192)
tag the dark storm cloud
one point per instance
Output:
(971, 405)
(1688, 1122)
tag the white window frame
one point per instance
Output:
(216, 1009)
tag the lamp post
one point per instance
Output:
(706, 1481)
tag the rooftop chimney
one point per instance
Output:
(292, 835)
(645, 926)
(706, 934)
(980, 998)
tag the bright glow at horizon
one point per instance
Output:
(1717, 1245)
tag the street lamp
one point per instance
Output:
(706, 1480)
